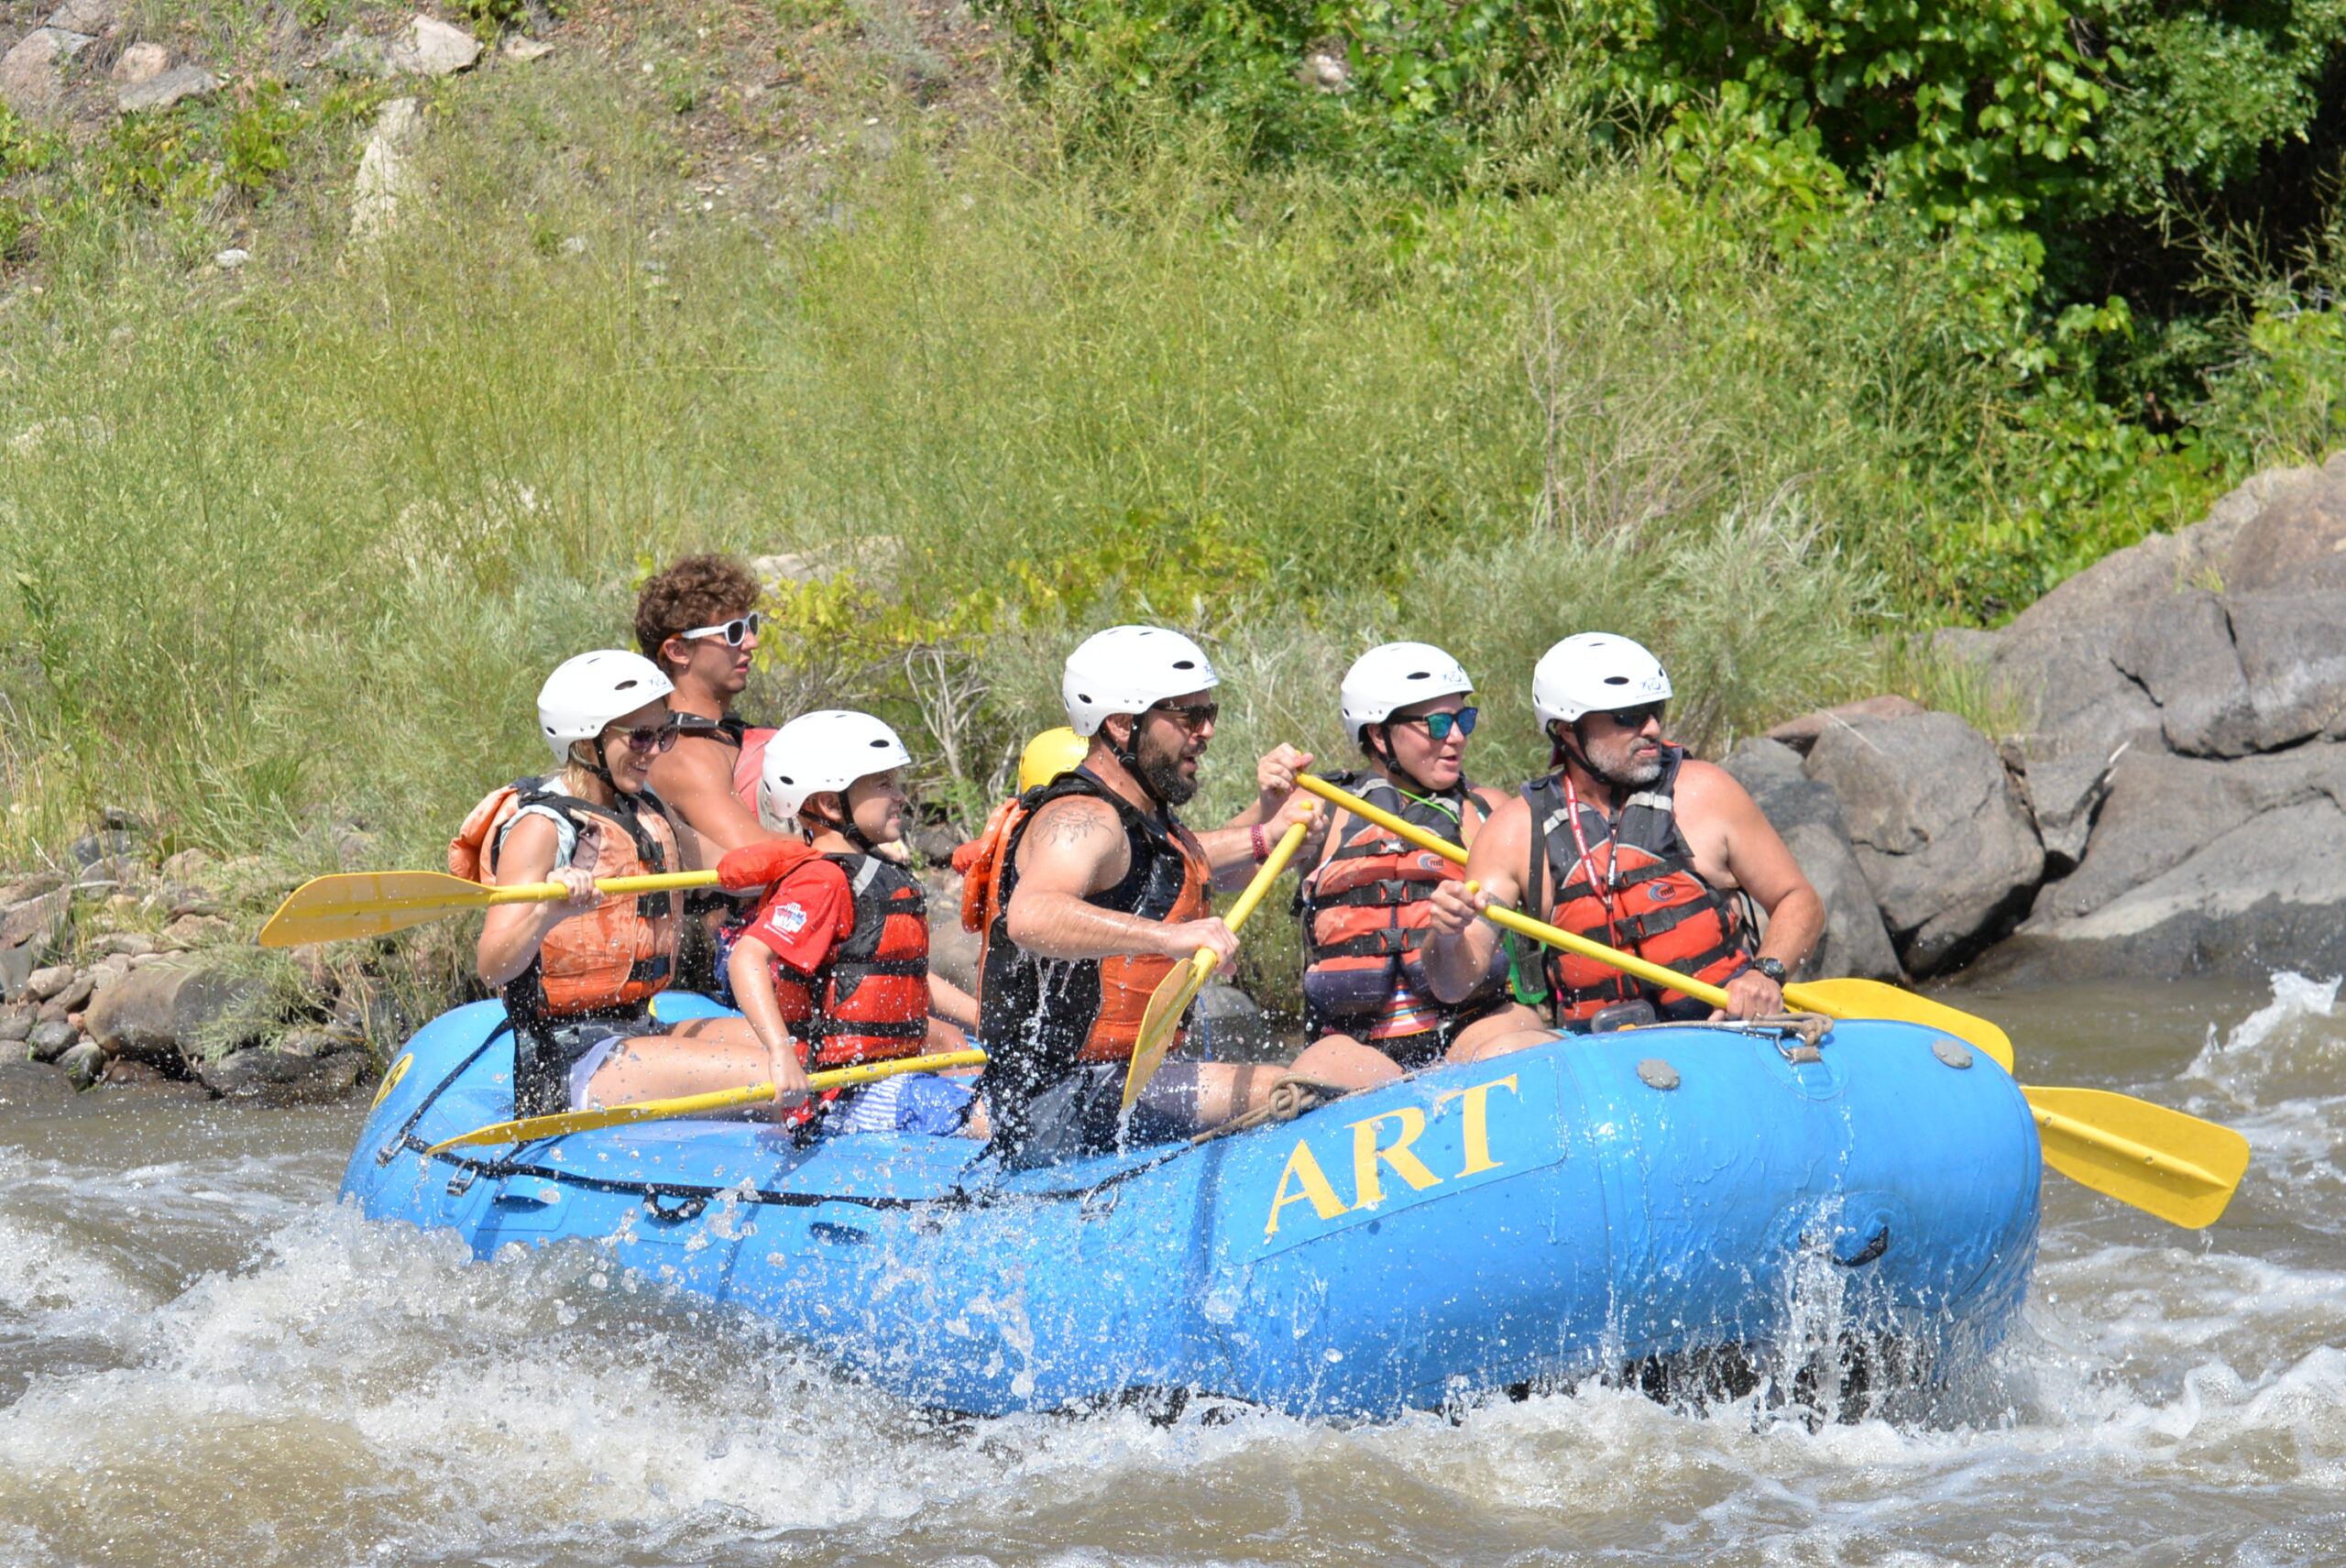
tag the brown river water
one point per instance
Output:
(204, 1360)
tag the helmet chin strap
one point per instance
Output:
(844, 825)
(1390, 760)
(1127, 753)
(1614, 789)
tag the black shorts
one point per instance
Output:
(1083, 1114)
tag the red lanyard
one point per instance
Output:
(1613, 861)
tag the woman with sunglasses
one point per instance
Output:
(1367, 1008)
(579, 975)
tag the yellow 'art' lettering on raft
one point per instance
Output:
(1311, 1184)
(1368, 1192)
(1478, 1121)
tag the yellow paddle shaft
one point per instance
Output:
(609, 887)
(2126, 1148)
(1537, 930)
(1165, 1009)
(530, 1129)
(1201, 963)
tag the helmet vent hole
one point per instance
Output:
(1616, 680)
(784, 779)
(1083, 697)
(626, 686)
(1185, 664)
(878, 745)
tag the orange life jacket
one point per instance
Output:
(1365, 910)
(1628, 883)
(614, 957)
(870, 999)
(1041, 1017)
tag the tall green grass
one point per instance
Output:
(297, 545)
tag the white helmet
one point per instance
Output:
(1394, 676)
(816, 751)
(1125, 669)
(1594, 671)
(585, 693)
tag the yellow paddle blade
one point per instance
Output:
(2164, 1162)
(1872, 999)
(368, 904)
(531, 1129)
(1157, 1023)
(1178, 989)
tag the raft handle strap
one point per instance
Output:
(690, 1209)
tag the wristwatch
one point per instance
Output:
(1772, 968)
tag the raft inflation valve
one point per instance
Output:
(1656, 1073)
(1955, 1053)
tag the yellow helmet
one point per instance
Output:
(1049, 754)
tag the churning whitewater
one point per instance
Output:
(204, 1359)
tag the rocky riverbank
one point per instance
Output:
(131, 969)
(2171, 802)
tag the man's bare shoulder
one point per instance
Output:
(1707, 791)
(693, 762)
(1072, 824)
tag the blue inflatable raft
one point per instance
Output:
(1570, 1209)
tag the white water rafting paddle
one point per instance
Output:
(2164, 1162)
(368, 904)
(530, 1129)
(1177, 990)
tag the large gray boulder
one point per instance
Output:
(34, 1086)
(262, 1076)
(162, 1013)
(2185, 693)
(2199, 866)
(1938, 830)
(29, 932)
(1808, 816)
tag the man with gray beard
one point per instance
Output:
(1634, 844)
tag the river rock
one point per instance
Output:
(29, 78)
(122, 944)
(1226, 1025)
(432, 48)
(1938, 828)
(1800, 734)
(159, 1013)
(953, 953)
(83, 1063)
(140, 63)
(269, 1077)
(385, 176)
(44, 983)
(166, 90)
(34, 1086)
(29, 932)
(1807, 814)
(17, 1021)
(70, 999)
(50, 1038)
(86, 16)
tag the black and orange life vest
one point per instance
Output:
(1364, 906)
(869, 1001)
(1040, 1017)
(613, 958)
(1628, 883)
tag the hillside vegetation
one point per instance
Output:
(1028, 319)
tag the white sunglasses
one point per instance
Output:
(735, 631)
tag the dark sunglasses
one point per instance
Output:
(652, 738)
(1440, 724)
(1634, 718)
(738, 630)
(1192, 717)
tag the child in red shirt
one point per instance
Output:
(832, 970)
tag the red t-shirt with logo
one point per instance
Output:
(805, 914)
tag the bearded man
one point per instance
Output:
(1634, 844)
(1097, 890)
